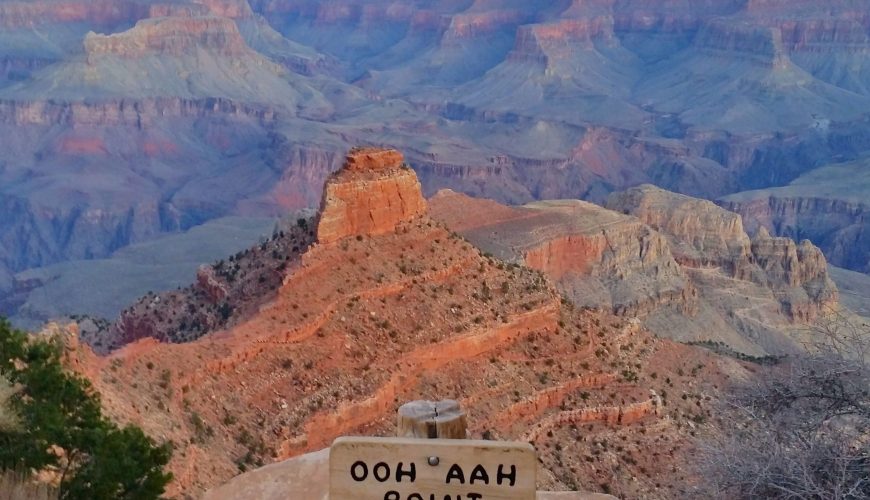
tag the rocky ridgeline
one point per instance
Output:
(371, 194)
(704, 235)
(223, 294)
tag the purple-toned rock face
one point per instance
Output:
(121, 120)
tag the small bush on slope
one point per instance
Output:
(62, 427)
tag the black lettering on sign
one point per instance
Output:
(381, 472)
(392, 495)
(359, 471)
(415, 496)
(411, 473)
(479, 474)
(512, 475)
(474, 496)
(455, 472)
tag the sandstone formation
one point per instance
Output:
(596, 257)
(358, 325)
(705, 235)
(798, 272)
(702, 234)
(684, 265)
(371, 195)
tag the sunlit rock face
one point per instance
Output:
(373, 192)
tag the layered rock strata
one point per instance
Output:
(172, 36)
(597, 257)
(369, 318)
(840, 227)
(684, 265)
(373, 193)
(704, 235)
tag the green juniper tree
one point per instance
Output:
(56, 409)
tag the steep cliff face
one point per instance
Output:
(16, 14)
(841, 228)
(799, 272)
(828, 206)
(541, 42)
(372, 194)
(760, 45)
(705, 235)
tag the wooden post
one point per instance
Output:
(432, 420)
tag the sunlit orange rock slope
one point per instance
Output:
(397, 309)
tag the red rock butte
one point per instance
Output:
(373, 192)
(370, 159)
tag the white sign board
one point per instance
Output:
(430, 469)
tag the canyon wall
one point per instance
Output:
(841, 228)
(597, 257)
(705, 235)
(500, 99)
(685, 266)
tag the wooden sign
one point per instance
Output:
(430, 469)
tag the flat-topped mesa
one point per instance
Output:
(373, 159)
(170, 36)
(371, 194)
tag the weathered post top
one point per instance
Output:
(432, 420)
